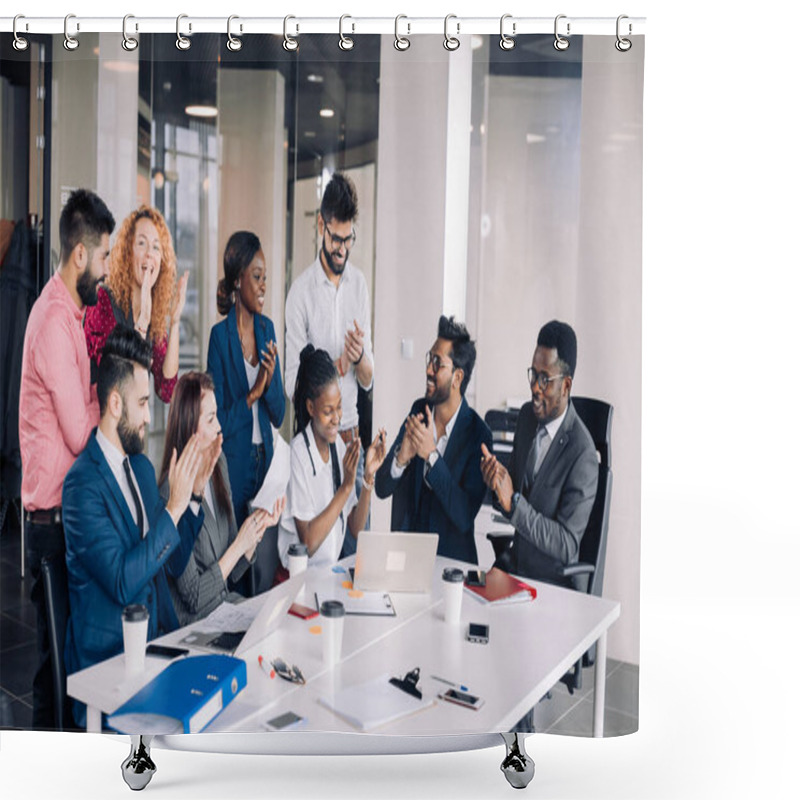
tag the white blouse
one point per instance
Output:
(309, 492)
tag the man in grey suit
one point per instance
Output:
(549, 489)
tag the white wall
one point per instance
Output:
(562, 240)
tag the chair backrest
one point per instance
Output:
(502, 423)
(56, 600)
(597, 416)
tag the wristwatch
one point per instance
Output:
(197, 498)
(432, 458)
(514, 501)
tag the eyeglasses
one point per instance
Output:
(434, 361)
(541, 378)
(338, 241)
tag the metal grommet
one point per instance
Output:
(451, 42)
(20, 43)
(70, 42)
(129, 43)
(507, 42)
(401, 43)
(289, 42)
(233, 44)
(182, 43)
(623, 45)
(345, 42)
(560, 42)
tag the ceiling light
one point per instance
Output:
(534, 138)
(310, 134)
(312, 78)
(327, 113)
(206, 112)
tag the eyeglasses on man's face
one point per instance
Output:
(435, 362)
(541, 378)
(339, 241)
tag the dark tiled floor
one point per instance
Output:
(562, 713)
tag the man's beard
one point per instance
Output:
(132, 443)
(439, 396)
(332, 266)
(87, 288)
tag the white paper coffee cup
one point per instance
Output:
(297, 559)
(135, 620)
(453, 591)
(332, 615)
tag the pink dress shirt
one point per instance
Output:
(57, 405)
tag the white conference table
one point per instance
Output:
(531, 645)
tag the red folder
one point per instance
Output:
(502, 588)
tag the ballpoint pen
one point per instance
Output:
(450, 683)
(268, 672)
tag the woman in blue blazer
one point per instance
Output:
(243, 361)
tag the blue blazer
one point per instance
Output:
(457, 487)
(108, 565)
(226, 365)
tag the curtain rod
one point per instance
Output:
(295, 26)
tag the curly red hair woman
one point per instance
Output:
(142, 294)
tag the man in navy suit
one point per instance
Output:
(434, 467)
(119, 534)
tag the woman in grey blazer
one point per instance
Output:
(221, 553)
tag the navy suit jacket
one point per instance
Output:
(226, 365)
(108, 565)
(456, 483)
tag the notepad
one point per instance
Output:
(368, 604)
(367, 705)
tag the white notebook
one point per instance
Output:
(367, 705)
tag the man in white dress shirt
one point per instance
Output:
(328, 306)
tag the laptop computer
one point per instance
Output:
(268, 619)
(395, 562)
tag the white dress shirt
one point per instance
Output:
(115, 460)
(441, 446)
(319, 313)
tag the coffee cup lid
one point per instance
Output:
(135, 613)
(298, 549)
(332, 608)
(453, 575)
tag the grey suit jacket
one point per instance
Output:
(554, 507)
(201, 588)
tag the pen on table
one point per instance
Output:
(450, 683)
(269, 672)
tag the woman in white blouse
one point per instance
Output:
(321, 498)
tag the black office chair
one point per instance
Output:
(587, 574)
(502, 423)
(56, 599)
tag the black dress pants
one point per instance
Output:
(42, 541)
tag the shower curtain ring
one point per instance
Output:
(289, 42)
(507, 42)
(233, 44)
(182, 43)
(129, 43)
(401, 43)
(623, 45)
(20, 42)
(70, 42)
(560, 42)
(451, 42)
(345, 42)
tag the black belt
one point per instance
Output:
(44, 516)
